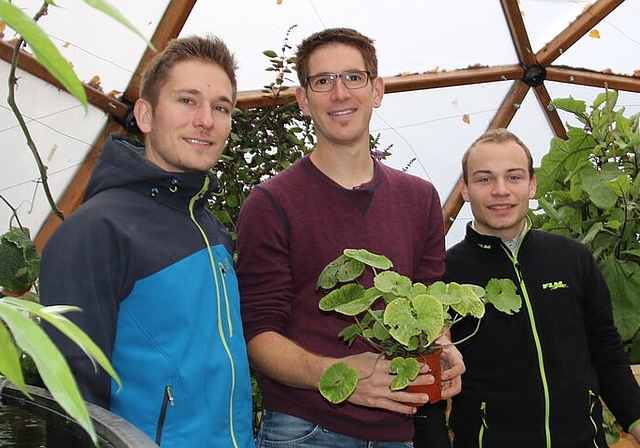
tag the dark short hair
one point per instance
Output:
(499, 135)
(206, 49)
(329, 36)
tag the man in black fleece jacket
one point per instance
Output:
(533, 379)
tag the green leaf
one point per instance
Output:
(595, 187)
(359, 304)
(108, 9)
(502, 294)
(20, 260)
(623, 279)
(392, 282)
(72, 331)
(576, 107)
(10, 358)
(43, 49)
(343, 295)
(429, 314)
(52, 366)
(342, 269)
(338, 382)
(468, 303)
(368, 258)
(405, 369)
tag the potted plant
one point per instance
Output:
(407, 326)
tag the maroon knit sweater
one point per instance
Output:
(289, 228)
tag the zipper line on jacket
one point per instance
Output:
(214, 270)
(534, 330)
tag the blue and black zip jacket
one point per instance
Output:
(534, 378)
(152, 270)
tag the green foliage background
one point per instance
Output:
(589, 190)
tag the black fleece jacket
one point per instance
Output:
(533, 379)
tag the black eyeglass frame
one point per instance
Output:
(334, 77)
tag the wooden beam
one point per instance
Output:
(576, 29)
(552, 115)
(593, 79)
(519, 36)
(462, 77)
(29, 64)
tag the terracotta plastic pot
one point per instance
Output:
(433, 361)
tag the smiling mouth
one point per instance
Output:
(342, 112)
(198, 142)
(500, 207)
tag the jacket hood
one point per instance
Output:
(122, 164)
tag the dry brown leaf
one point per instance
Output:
(466, 118)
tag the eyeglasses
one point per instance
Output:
(324, 82)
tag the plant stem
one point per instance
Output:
(13, 82)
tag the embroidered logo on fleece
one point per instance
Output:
(484, 246)
(555, 285)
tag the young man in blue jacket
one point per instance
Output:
(152, 268)
(533, 379)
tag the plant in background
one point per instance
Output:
(588, 189)
(263, 140)
(411, 320)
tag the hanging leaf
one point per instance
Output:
(52, 366)
(43, 49)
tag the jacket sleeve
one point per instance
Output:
(81, 267)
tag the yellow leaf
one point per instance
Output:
(3, 26)
(595, 34)
(466, 118)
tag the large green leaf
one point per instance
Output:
(623, 279)
(338, 382)
(340, 296)
(52, 366)
(502, 294)
(597, 184)
(405, 369)
(342, 269)
(468, 303)
(52, 315)
(430, 315)
(10, 358)
(43, 49)
(392, 282)
(368, 258)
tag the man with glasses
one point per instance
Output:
(292, 225)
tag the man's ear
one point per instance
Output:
(464, 189)
(301, 97)
(143, 112)
(533, 186)
(378, 87)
